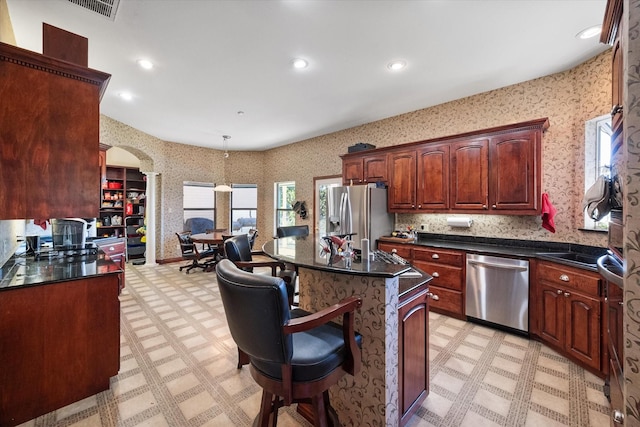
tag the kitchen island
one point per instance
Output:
(60, 334)
(393, 321)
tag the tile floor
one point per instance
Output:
(178, 369)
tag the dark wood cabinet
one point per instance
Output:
(402, 180)
(364, 169)
(60, 344)
(469, 175)
(50, 121)
(433, 177)
(569, 312)
(447, 288)
(515, 172)
(413, 349)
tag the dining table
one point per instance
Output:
(212, 238)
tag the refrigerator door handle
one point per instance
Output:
(345, 214)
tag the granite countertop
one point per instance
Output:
(22, 270)
(305, 252)
(510, 247)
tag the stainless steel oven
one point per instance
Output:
(611, 271)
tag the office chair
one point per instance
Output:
(190, 252)
(294, 230)
(295, 356)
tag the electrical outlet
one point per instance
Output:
(424, 227)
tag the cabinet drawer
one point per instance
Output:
(443, 275)
(447, 301)
(440, 256)
(402, 250)
(568, 277)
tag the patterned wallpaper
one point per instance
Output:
(631, 20)
(568, 98)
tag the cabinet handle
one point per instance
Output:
(112, 248)
(564, 277)
(620, 303)
(435, 274)
(567, 294)
(433, 296)
(616, 109)
(419, 206)
(435, 256)
(484, 206)
(559, 291)
(494, 206)
(413, 206)
(617, 416)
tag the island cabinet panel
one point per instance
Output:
(433, 177)
(569, 313)
(469, 172)
(514, 171)
(60, 344)
(364, 169)
(413, 358)
(402, 180)
(49, 137)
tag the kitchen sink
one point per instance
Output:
(571, 258)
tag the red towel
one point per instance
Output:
(41, 222)
(548, 212)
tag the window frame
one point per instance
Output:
(277, 188)
(213, 209)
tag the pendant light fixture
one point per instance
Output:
(224, 187)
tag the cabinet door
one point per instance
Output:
(352, 171)
(514, 171)
(433, 177)
(582, 322)
(551, 314)
(469, 179)
(402, 180)
(414, 353)
(375, 168)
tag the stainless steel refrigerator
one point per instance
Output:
(360, 210)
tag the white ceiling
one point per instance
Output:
(215, 58)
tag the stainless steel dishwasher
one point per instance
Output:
(498, 291)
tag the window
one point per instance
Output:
(198, 200)
(244, 207)
(597, 156)
(285, 198)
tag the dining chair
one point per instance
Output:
(190, 252)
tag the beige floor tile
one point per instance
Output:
(437, 404)
(182, 384)
(155, 421)
(171, 367)
(552, 381)
(196, 404)
(91, 421)
(491, 401)
(135, 405)
(448, 382)
(534, 419)
(500, 382)
(161, 353)
(470, 352)
(76, 407)
(459, 365)
(472, 419)
(555, 403)
(127, 384)
(506, 365)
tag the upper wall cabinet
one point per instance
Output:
(49, 165)
(492, 171)
(363, 168)
(402, 180)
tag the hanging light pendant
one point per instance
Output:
(224, 188)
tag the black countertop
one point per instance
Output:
(23, 270)
(306, 252)
(512, 247)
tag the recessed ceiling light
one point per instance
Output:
(241, 113)
(299, 63)
(587, 33)
(396, 65)
(145, 63)
(126, 96)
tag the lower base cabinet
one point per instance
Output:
(569, 313)
(60, 344)
(413, 357)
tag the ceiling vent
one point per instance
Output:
(105, 8)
